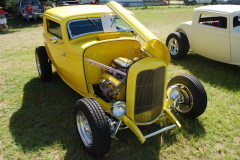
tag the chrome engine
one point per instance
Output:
(112, 80)
(112, 84)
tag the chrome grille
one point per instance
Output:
(149, 94)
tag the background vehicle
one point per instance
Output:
(226, 2)
(57, 3)
(96, 51)
(230, 2)
(38, 9)
(194, 2)
(213, 33)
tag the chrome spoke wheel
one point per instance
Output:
(173, 46)
(84, 129)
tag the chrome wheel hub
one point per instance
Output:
(185, 101)
(173, 46)
(84, 129)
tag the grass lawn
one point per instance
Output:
(37, 122)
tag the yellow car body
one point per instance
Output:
(87, 63)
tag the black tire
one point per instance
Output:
(214, 2)
(193, 3)
(193, 96)
(93, 127)
(178, 45)
(24, 19)
(44, 65)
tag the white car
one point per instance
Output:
(194, 2)
(214, 33)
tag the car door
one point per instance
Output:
(212, 41)
(235, 40)
(57, 49)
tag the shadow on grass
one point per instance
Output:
(46, 120)
(191, 128)
(217, 74)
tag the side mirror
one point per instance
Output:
(54, 40)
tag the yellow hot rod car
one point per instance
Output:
(105, 54)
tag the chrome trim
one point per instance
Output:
(126, 127)
(103, 66)
(54, 40)
(117, 128)
(160, 131)
(62, 55)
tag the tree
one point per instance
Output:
(6, 4)
(2, 3)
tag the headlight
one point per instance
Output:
(173, 92)
(119, 109)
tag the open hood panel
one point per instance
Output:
(153, 46)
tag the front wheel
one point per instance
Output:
(93, 127)
(193, 98)
(178, 45)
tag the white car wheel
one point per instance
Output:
(178, 45)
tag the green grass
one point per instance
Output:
(36, 118)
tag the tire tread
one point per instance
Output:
(45, 64)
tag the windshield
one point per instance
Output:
(80, 27)
(32, 2)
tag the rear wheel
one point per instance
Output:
(193, 3)
(193, 98)
(178, 45)
(93, 127)
(43, 64)
(214, 2)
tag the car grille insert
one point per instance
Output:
(149, 95)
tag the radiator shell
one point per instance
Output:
(145, 93)
(149, 94)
